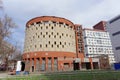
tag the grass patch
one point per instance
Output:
(72, 75)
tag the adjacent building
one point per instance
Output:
(55, 44)
(113, 27)
(97, 43)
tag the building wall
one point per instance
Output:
(55, 44)
(79, 41)
(113, 27)
(49, 36)
(50, 44)
(97, 43)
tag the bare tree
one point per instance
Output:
(6, 26)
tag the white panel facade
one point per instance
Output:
(98, 43)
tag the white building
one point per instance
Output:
(96, 43)
(113, 27)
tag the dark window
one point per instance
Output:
(52, 46)
(41, 27)
(35, 46)
(52, 27)
(114, 20)
(43, 36)
(60, 37)
(49, 36)
(116, 33)
(46, 27)
(65, 43)
(49, 42)
(58, 46)
(40, 45)
(46, 33)
(62, 46)
(54, 36)
(60, 43)
(38, 22)
(62, 34)
(55, 42)
(46, 45)
(52, 33)
(117, 48)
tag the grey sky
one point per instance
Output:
(84, 12)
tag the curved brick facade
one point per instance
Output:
(54, 43)
(49, 40)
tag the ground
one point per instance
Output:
(70, 75)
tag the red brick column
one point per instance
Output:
(52, 64)
(46, 63)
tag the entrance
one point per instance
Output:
(95, 65)
(76, 66)
(32, 68)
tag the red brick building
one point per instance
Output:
(55, 44)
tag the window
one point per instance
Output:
(49, 36)
(116, 33)
(41, 27)
(66, 34)
(54, 36)
(62, 34)
(117, 48)
(49, 42)
(52, 33)
(62, 46)
(58, 46)
(114, 19)
(65, 43)
(38, 36)
(60, 43)
(60, 37)
(57, 33)
(46, 27)
(43, 36)
(40, 45)
(33, 37)
(46, 33)
(35, 46)
(46, 45)
(52, 27)
(55, 42)
(38, 22)
(41, 33)
(52, 45)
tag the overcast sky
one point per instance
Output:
(84, 12)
